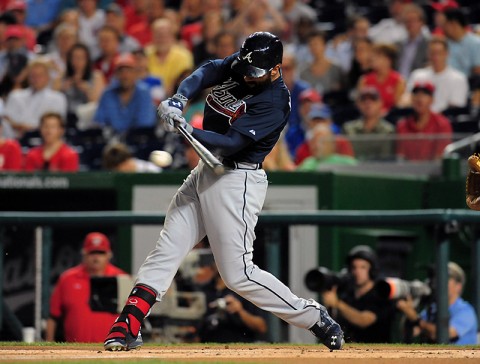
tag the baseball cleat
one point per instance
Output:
(119, 338)
(119, 344)
(328, 331)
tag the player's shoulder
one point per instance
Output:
(277, 94)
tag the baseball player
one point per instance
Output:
(245, 112)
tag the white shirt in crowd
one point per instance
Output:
(87, 31)
(26, 107)
(451, 86)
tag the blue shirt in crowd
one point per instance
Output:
(139, 112)
(463, 319)
(42, 12)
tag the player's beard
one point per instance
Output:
(258, 86)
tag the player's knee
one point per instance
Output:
(236, 282)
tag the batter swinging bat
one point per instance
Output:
(207, 157)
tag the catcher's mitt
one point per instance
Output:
(473, 182)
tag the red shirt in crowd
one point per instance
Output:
(141, 32)
(342, 146)
(386, 88)
(133, 18)
(423, 148)
(10, 156)
(70, 302)
(64, 160)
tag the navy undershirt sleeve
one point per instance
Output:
(208, 75)
(225, 144)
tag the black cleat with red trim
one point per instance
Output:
(125, 332)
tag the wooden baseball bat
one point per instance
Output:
(207, 157)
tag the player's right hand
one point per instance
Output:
(174, 104)
(172, 121)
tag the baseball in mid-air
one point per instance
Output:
(161, 158)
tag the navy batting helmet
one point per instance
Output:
(366, 253)
(259, 53)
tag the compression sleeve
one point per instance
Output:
(208, 75)
(226, 144)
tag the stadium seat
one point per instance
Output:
(90, 143)
(142, 141)
(31, 139)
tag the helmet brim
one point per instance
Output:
(246, 69)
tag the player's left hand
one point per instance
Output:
(174, 104)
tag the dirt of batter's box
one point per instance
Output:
(233, 353)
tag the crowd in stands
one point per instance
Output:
(369, 80)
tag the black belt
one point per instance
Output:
(241, 165)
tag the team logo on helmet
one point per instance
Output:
(248, 57)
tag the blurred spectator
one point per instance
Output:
(70, 301)
(154, 84)
(65, 36)
(166, 58)
(321, 142)
(254, 16)
(142, 31)
(412, 52)
(439, 16)
(115, 18)
(425, 134)
(81, 83)
(204, 48)
(191, 12)
(109, 46)
(42, 15)
(117, 157)
(462, 328)
(362, 60)
(136, 12)
(365, 317)
(464, 46)
(54, 154)
(13, 61)
(299, 89)
(6, 19)
(451, 85)
(126, 103)
(229, 317)
(299, 46)
(224, 44)
(371, 128)
(321, 73)
(383, 77)
(71, 17)
(390, 30)
(90, 20)
(279, 159)
(24, 107)
(293, 11)
(321, 115)
(18, 8)
(10, 153)
(340, 49)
